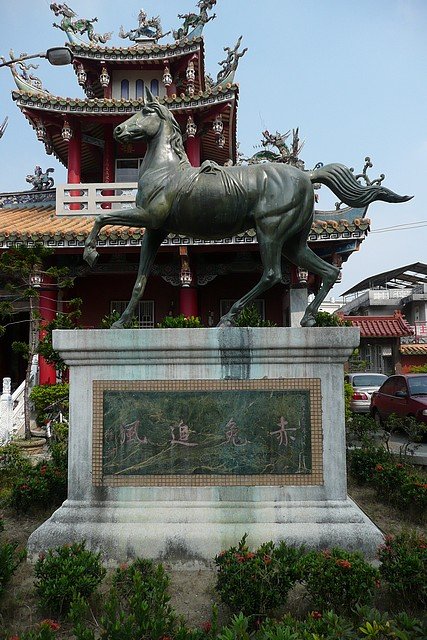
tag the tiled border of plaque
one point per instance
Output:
(313, 477)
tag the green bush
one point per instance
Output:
(399, 485)
(338, 579)
(404, 566)
(348, 394)
(325, 319)
(422, 368)
(45, 630)
(362, 462)
(108, 321)
(41, 486)
(255, 582)
(137, 607)
(13, 464)
(64, 573)
(180, 322)
(45, 395)
(250, 317)
(10, 558)
(361, 429)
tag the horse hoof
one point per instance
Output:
(308, 322)
(118, 325)
(226, 322)
(90, 256)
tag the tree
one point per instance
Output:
(22, 270)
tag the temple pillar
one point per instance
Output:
(108, 173)
(193, 150)
(47, 308)
(188, 301)
(75, 162)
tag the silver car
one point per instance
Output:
(364, 384)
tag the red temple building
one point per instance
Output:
(190, 276)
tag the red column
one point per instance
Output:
(108, 162)
(75, 161)
(193, 150)
(188, 303)
(47, 309)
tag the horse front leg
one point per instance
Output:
(134, 217)
(150, 244)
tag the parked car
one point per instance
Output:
(364, 384)
(403, 395)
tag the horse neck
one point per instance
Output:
(161, 155)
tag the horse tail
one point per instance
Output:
(341, 181)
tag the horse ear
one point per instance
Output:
(148, 96)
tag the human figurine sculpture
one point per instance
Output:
(213, 202)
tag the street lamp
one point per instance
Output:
(56, 56)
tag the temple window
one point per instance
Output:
(127, 169)
(124, 89)
(144, 311)
(139, 89)
(154, 87)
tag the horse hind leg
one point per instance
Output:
(270, 250)
(302, 256)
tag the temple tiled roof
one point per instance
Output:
(394, 326)
(38, 221)
(413, 349)
(153, 51)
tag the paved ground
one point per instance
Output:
(418, 452)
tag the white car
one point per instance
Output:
(364, 385)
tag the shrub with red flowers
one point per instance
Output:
(45, 630)
(255, 582)
(404, 566)
(41, 486)
(338, 579)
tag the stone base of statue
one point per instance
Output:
(183, 440)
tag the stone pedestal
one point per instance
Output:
(255, 442)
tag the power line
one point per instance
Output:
(402, 227)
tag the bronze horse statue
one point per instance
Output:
(213, 202)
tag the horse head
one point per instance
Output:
(145, 124)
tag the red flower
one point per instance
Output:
(377, 584)
(24, 487)
(345, 564)
(14, 638)
(51, 624)
(250, 555)
(316, 615)
(267, 559)
(379, 467)
(123, 566)
(42, 555)
(43, 470)
(206, 626)
(399, 465)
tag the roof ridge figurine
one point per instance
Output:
(72, 26)
(24, 81)
(147, 29)
(193, 23)
(229, 64)
(41, 180)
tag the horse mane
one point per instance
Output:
(176, 137)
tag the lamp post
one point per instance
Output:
(56, 56)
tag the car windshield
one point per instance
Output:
(369, 380)
(418, 385)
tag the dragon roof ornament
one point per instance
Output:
(24, 80)
(229, 64)
(74, 26)
(193, 24)
(148, 30)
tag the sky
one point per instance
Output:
(350, 74)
